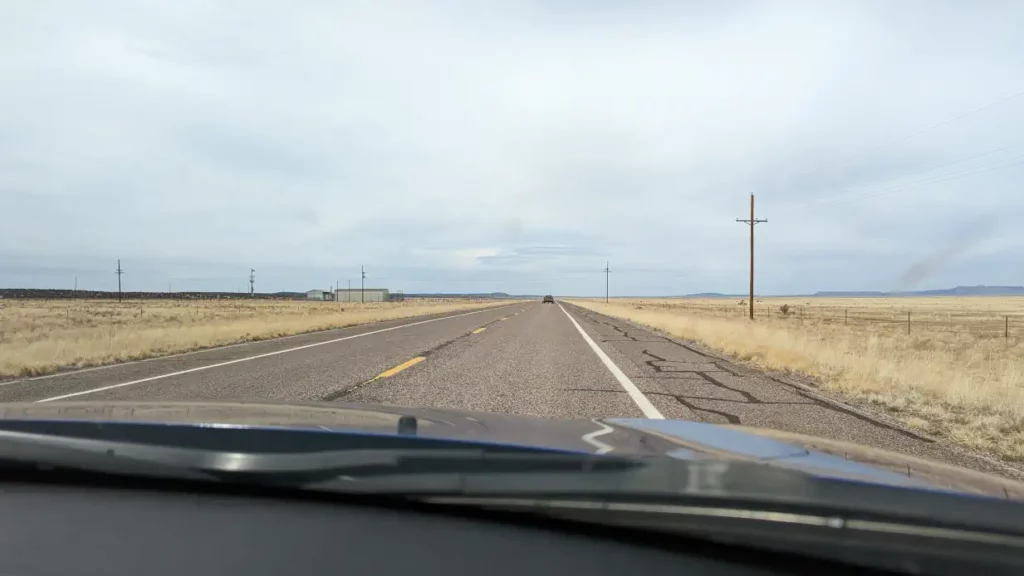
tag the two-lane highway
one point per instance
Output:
(534, 363)
(309, 367)
(550, 360)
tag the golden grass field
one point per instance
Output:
(43, 336)
(955, 375)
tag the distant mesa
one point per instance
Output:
(958, 291)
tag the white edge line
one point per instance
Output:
(591, 438)
(248, 358)
(638, 397)
(211, 349)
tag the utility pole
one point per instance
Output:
(607, 271)
(252, 282)
(348, 295)
(119, 272)
(752, 222)
(362, 286)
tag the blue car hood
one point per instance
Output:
(622, 436)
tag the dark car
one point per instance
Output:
(549, 299)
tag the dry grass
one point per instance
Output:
(43, 336)
(954, 375)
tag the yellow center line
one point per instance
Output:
(479, 330)
(399, 368)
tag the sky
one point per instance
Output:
(467, 146)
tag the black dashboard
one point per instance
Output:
(60, 529)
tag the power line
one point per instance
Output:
(956, 175)
(849, 160)
(852, 159)
(752, 222)
(829, 200)
(607, 271)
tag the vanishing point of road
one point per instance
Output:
(533, 359)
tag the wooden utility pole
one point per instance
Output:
(119, 272)
(752, 222)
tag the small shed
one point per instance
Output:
(319, 295)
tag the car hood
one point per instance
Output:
(620, 436)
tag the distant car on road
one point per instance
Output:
(549, 299)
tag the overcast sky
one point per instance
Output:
(511, 146)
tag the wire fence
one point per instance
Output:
(1006, 323)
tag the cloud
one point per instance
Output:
(508, 145)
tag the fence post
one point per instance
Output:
(908, 321)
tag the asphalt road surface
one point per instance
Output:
(534, 359)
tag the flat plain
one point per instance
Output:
(952, 367)
(43, 336)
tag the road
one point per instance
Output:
(534, 359)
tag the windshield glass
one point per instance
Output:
(781, 234)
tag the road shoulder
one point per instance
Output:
(688, 381)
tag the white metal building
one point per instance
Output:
(365, 295)
(319, 295)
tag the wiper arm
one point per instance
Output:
(290, 469)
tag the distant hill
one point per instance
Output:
(852, 294)
(958, 291)
(58, 294)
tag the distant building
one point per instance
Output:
(365, 295)
(319, 295)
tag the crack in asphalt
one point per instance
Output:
(748, 398)
(624, 334)
(729, 417)
(426, 354)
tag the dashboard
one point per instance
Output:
(60, 529)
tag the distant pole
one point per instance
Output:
(362, 286)
(76, 287)
(607, 271)
(752, 222)
(119, 272)
(348, 294)
(252, 282)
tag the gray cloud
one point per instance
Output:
(508, 145)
